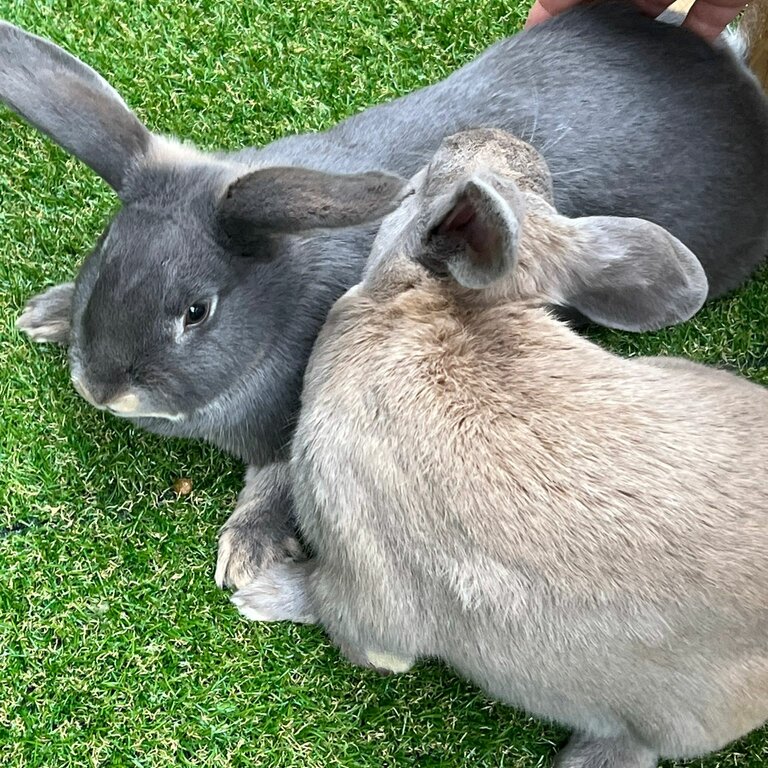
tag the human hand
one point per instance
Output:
(707, 18)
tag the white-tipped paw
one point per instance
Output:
(246, 551)
(47, 317)
(278, 593)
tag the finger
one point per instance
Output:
(536, 16)
(652, 8)
(546, 9)
(709, 18)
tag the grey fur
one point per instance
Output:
(291, 200)
(581, 535)
(46, 317)
(79, 109)
(633, 117)
(261, 508)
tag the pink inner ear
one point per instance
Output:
(483, 241)
(459, 217)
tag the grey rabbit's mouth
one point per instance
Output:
(164, 416)
(126, 406)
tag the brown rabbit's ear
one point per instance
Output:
(632, 275)
(285, 200)
(473, 235)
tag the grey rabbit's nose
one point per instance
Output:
(126, 404)
(108, 396)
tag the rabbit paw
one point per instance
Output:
(47, 317)
(261, 531)
(247, 551)
(279, 593)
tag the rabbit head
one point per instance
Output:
(481, 219)
(192, 287)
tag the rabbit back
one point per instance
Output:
(562, 528)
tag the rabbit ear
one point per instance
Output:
(632, 275)
(474, 234)
(285, 200)
(71, 103)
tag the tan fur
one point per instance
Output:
(583, 535)
(451, 355)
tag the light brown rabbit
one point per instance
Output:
(582, 535)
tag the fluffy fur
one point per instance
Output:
(634, 118)
(581, 535)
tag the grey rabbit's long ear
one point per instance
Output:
(71, 103)
(286, 200)
(632, 275)
(473, 234)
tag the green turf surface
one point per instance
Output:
(116, 649)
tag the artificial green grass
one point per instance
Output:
(116, 649)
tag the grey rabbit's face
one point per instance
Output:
(193, 283)
(167, 313)
(195, 312)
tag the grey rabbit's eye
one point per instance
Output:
(196, 313)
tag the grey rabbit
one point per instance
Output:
(582, 535)
(196, 311)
